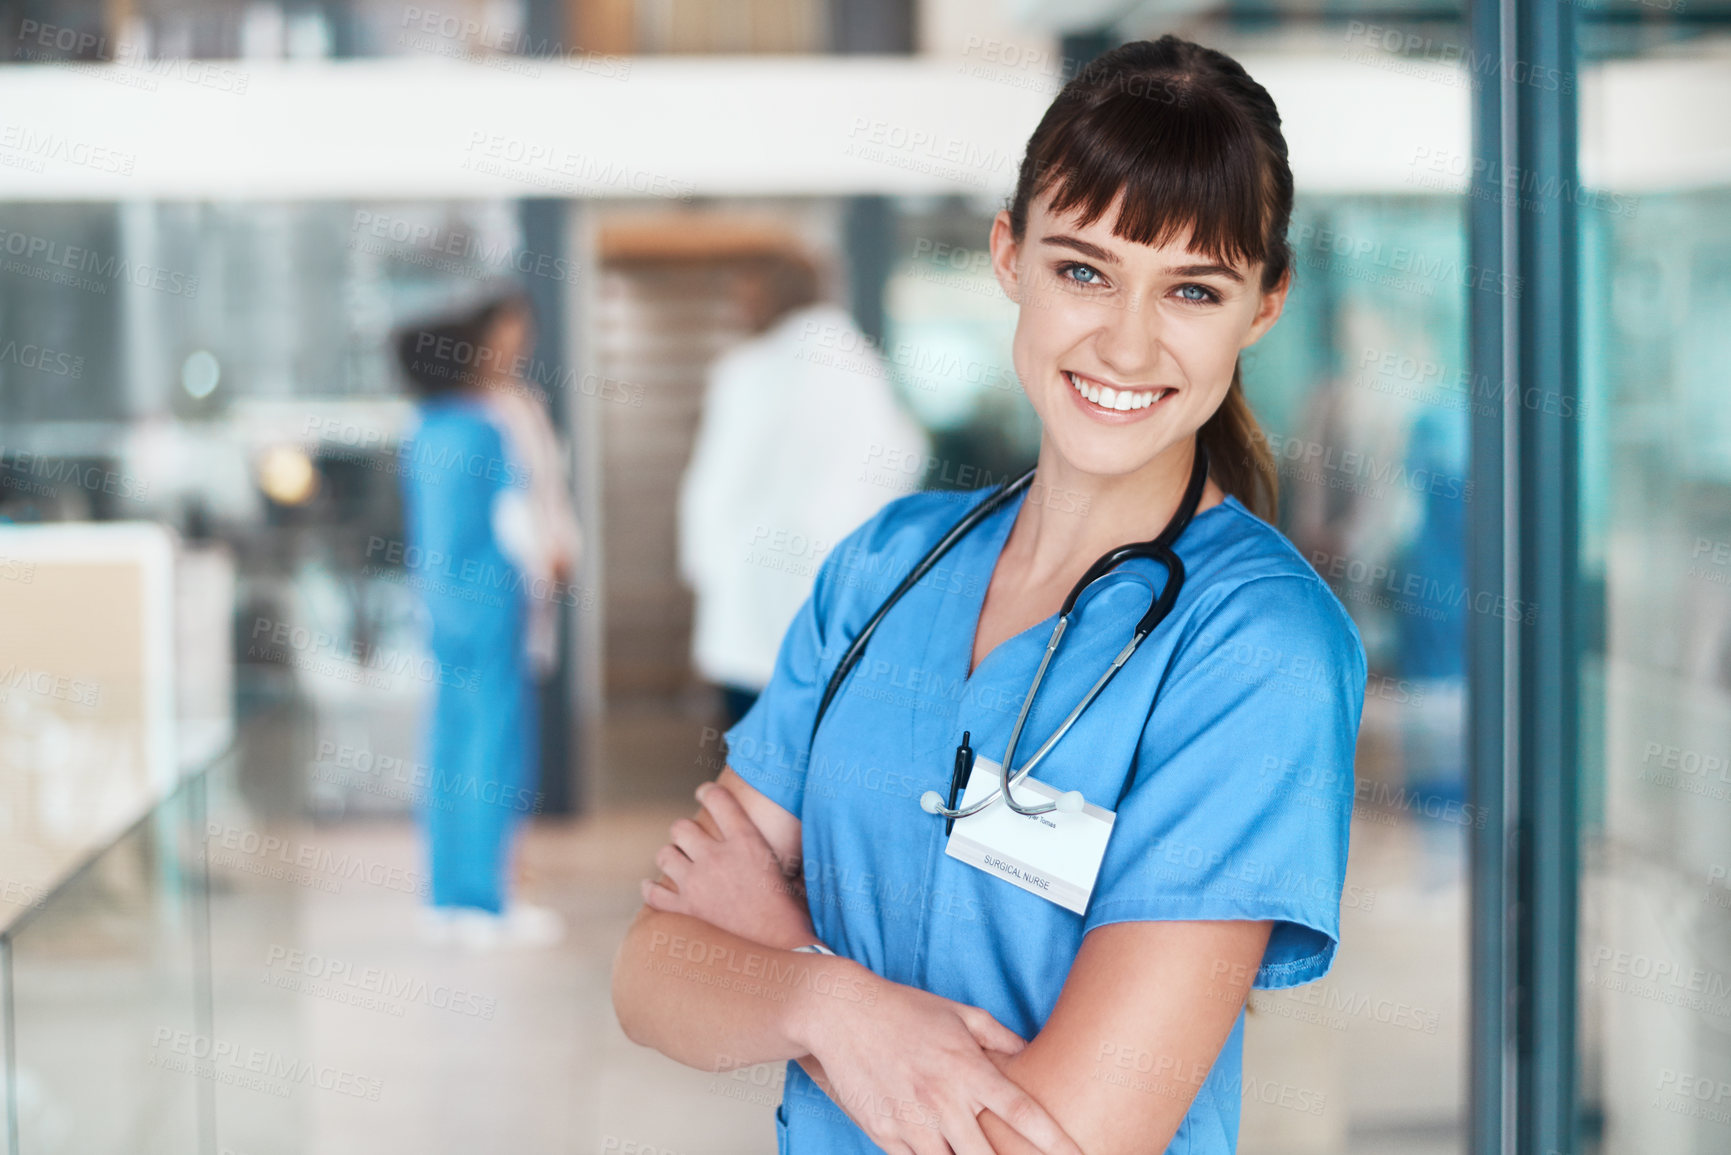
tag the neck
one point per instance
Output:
(1070, 517)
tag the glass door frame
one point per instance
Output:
(1522, 553)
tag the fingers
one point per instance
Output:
(689, 837)
(1027, 1118)
(727, 812)
(965, 1136)
(987, 1031)
(673, 863)
(658, 897)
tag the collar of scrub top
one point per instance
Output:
(1159, 549)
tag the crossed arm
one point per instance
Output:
(707, 976)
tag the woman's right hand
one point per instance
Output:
(912, 1068)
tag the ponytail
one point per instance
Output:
(1239, 458)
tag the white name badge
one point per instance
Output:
(1056, 856)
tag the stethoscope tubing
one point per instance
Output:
(1159, 549)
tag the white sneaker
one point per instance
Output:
(436, 925)
(520, 925)
(529, 925)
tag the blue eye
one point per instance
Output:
(1069, 267)
(1208, 297)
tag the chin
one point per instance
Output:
(1089, 451)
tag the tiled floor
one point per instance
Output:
(550, 1071)
(345, 1034)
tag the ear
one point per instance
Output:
(1006, 256)
(1268, 310)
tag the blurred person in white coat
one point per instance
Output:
(800, 426)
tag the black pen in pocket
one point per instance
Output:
(959, 776)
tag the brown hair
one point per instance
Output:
(1191, 140)
(451, 355)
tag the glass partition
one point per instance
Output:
(107, 989)
(1655, 903)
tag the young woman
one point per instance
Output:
(488, 527)
(1005, 983)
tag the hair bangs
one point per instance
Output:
(1183, 164)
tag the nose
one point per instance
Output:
(1128, 341)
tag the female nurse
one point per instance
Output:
(815, 912)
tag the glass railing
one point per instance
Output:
(107, 992)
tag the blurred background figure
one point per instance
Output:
(1431, 639)
(489, 526)
(793, 420)
(536, 524)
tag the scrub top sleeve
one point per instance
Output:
(1244, 778)
(456, 470)
(770, 747)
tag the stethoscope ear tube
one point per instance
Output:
(1168, 597)
(1160, 549)
(856, 648)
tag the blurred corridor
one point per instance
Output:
(214, 659)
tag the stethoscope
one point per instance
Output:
(1160, 550)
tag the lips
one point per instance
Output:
(1117, 400)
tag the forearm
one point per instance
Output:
(1006, 1140)
(714, 1000)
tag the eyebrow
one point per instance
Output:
(1087, 249)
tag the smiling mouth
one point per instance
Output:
(1119, 400)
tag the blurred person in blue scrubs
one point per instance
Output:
(931, 999)
(800, 423)
(1431, 628)
(490, 542)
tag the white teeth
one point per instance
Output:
(1109, 398)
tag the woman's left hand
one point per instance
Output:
(733, 882)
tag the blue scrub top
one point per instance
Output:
(1237, 717)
